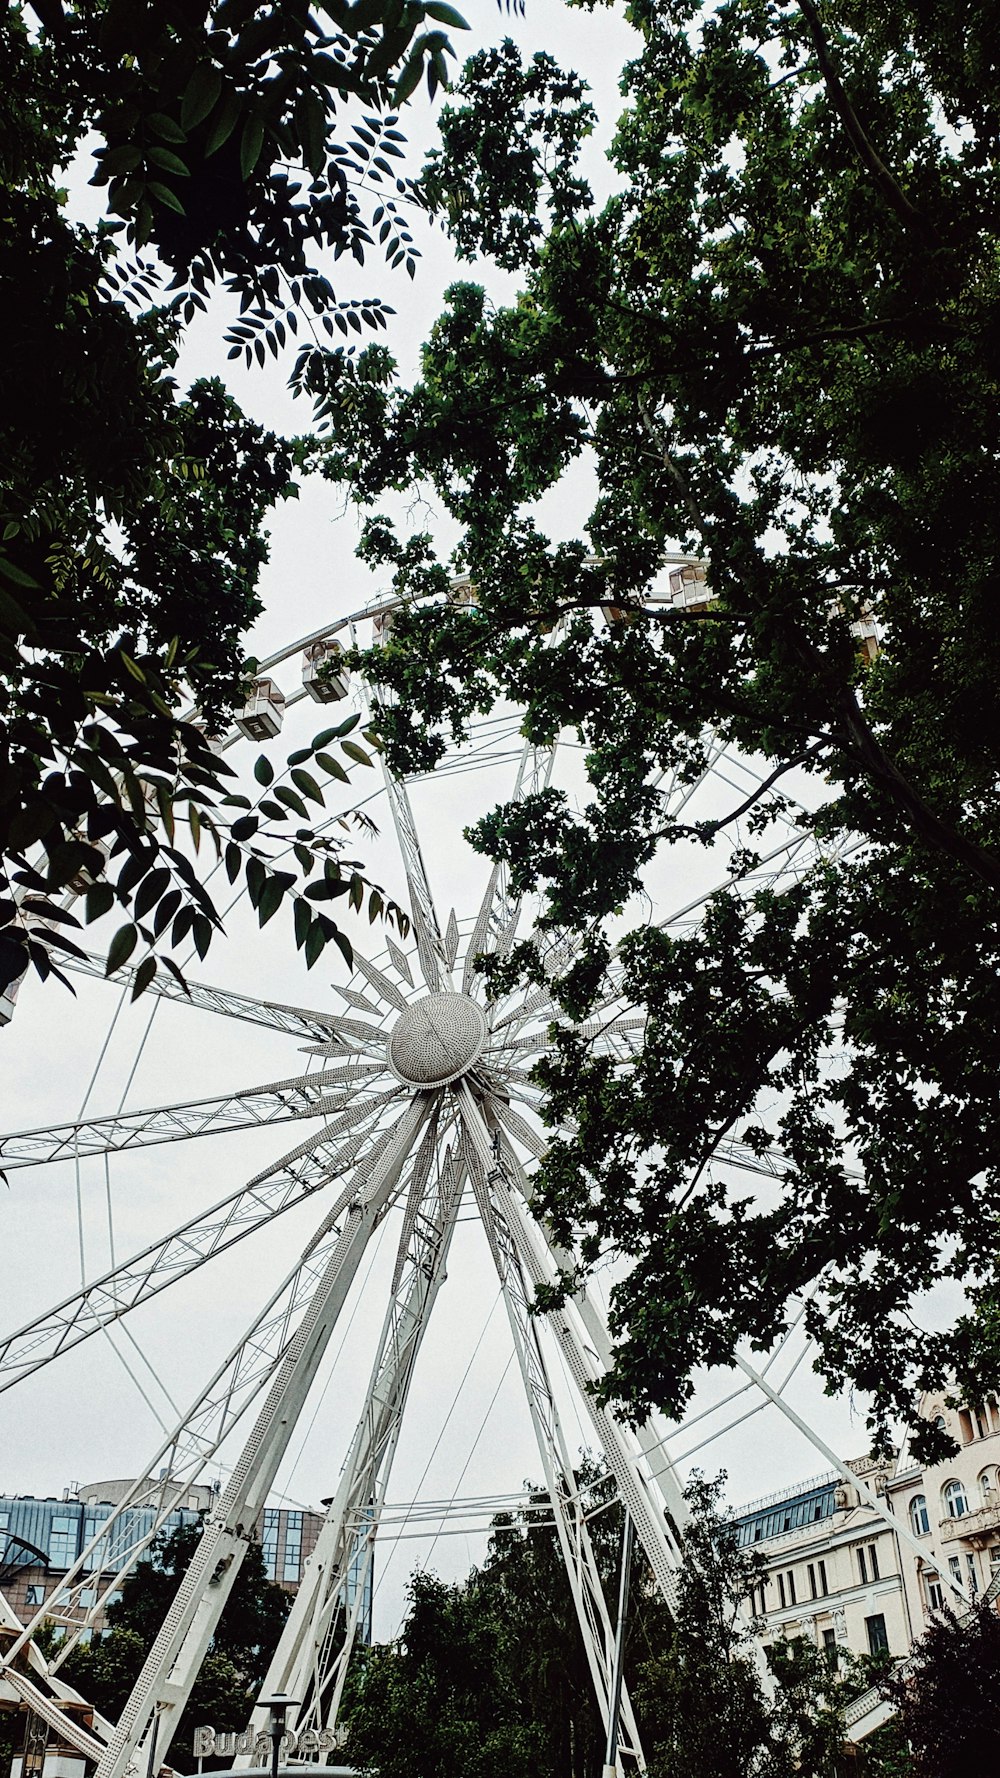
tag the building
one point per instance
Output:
(842, 1576)
(41, 1539)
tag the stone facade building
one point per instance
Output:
(844, 1577)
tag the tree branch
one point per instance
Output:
(893, 193)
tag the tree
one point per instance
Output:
(948, 1698)
(234, 1669)
(491, 1674)
(131, 518)
(775, 346)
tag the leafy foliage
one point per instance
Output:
(233, 1671)
(947, 1698)
(774, 349)
(493, 1670)
(131, 518)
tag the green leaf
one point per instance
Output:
(227, 116)
(446, 15)
(200, 96)
(344, 946)
(11, 571)
(334, 734)
(143, 976)
(149, 891)
(271, 899)
(263, 770)
(293, 801)
(171, 163)
(165, 196)
(251, 143)
(121, 947)
(305, 782)
(355, 752)
(315, 943)
(256, 878)
(165, 127)
(98, 901)
(332, 767)
(303, 920)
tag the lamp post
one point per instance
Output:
(278, 1705)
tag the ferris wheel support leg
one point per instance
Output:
(171, 1667)
(661, 1542)
(648, 1436)
(577, 1551)
(311, 1659)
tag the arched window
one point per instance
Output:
(919, 1520)
(988, 1487)
(939, 1422)
(955, 1503)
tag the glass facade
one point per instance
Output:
(269, 1540)
(62, 1529)
(771, 1519)
(291, 1566)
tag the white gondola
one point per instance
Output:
(689, 587)
(324, 680)
(263, 713)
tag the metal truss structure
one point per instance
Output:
(426, 1101)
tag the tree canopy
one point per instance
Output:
(490, 1675)
(132, 514)
(775, 347)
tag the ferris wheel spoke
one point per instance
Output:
(571, 1527)
(161, 1692)
(298, 1021)
(427, 932)
(132, 1526)
(282, 1101)
(496, 923)
(278, 1188)
(311, 1660)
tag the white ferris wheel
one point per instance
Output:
(418, 1106)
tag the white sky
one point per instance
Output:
(84, 1418)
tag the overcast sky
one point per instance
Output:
(85, 1417)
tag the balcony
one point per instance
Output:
(976, 1526)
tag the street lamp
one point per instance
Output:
(278, 1705)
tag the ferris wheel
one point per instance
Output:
(421, 1104)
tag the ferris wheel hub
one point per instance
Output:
(437, 1040)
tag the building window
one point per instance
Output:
(87, 1597)
(955, 1570)
(878, 1641)
(920, 1523)
(36, 1595)
(830, 1649)
(791, 1588)
(292, 1565)
(955, 1503)
(812, 1581)
(873, 1560)
(269, 1541)
(935, 1592)
(970, 1564)
(988, 1487)
(781, 1591)
(824, 1589)
(63, 1541)
(862, 1565)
